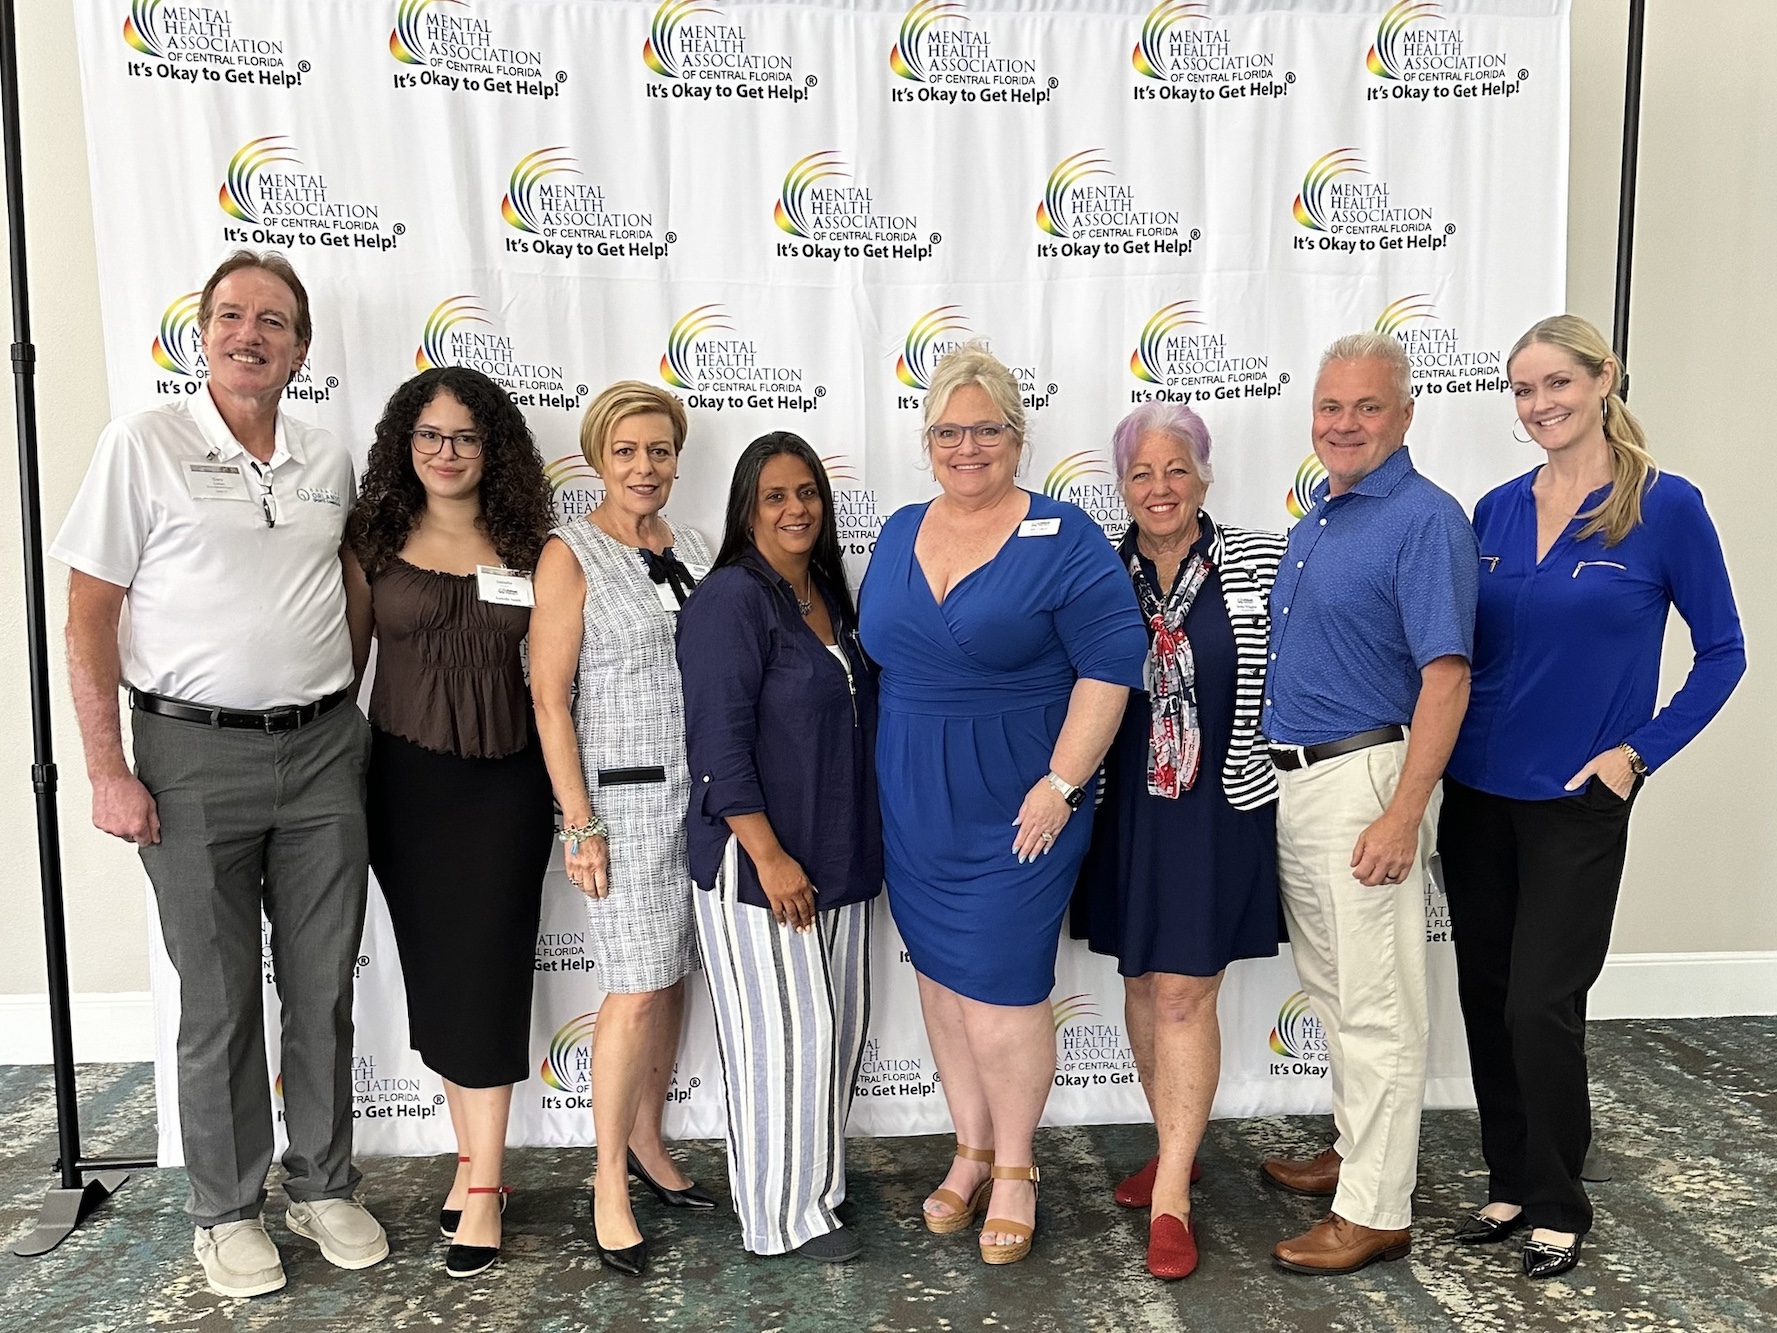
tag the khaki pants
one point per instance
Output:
(1360, 952)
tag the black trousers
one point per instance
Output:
(1532, 888)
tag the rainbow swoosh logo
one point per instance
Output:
(1310, 207)
(405, 42)
(569, 470)
(574, 1033)
(658, 52)
(1071, 471)
(517, 206)
(1384, 59)
(915, 364)
(1300, 497)
(142, 28)
(1148, 57)
(839, 469)
(675, 365)
(1072, 1009)
(1145, 360)
(236, 195)
(1069, 172)
(905, 57)
(1399, 314)
(445, 316)
(1296, 1030)
(798, 180)
(175, 347)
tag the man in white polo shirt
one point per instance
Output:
(217, 521)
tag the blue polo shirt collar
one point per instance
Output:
(1388, 474)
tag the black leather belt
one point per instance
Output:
(631, 777)
(1290, 758)
(240, 719)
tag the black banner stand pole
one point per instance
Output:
(67, 1205)
(1597, 1166)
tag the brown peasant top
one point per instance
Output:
(449, 676)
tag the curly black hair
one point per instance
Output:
(515, 497)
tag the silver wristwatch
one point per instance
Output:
(1071, 794)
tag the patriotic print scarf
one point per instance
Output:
(1175, 740)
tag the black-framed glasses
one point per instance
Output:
(949, 435)
(465, 443)
(268, 502)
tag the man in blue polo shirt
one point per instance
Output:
(1372, 623)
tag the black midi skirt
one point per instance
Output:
(459, 847)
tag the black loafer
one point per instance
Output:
(837, 1246)
(689, 1197)
(1484, 1230)
(468, 1260)
(1542, 1260)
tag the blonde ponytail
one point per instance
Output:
(1632, 467)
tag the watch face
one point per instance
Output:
(1074, 798)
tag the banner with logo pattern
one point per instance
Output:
(786, 213)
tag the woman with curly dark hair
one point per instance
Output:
(453, 513)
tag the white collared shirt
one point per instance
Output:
(222, 608)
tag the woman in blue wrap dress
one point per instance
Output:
(1009, 638)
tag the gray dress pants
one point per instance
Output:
(250, 819)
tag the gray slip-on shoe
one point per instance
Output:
(348, 1235)
(239, 1259)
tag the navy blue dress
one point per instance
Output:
(973, 695)
(1181, 885)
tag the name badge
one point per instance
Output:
(1246, 603)
(504, 587)
(214, 481)
(664, 591)
(1039, 527)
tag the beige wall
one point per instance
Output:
(1702, 871)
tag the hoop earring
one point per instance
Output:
(1521, 439)
(1604, 410)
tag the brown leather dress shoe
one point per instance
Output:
(1333, 1246)
(1315, 1177)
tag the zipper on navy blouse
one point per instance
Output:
(1605, 564)
(1491, 561)
(851, 684)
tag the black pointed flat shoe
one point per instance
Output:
(1543, 1260)
(689, 1197)
(1484, 1230)
(468, 1260)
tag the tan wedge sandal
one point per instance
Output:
(1010, 1254)
(963, 1212)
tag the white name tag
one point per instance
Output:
(664, 591)
(214, 481)
(1039, 527)
(504, 587)
(1246, 603)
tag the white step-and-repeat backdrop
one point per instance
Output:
(786, 213)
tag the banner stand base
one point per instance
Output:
(63, 1210)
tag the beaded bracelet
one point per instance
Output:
(575, 834)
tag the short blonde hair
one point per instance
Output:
(973, 364)
(626, 398)
(1372, 346)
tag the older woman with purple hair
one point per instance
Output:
(1181, 877)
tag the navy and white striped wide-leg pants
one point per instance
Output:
(791, 1012)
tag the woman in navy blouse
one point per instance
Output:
(1581, 560)
(785, 841)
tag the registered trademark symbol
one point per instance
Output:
(333, 383)
(581, 389)
(1523, 74)
(935, 237)
(696, 1082)
(1196, 234)
(1051, 386)
(1284, 378)
(810, 81)
(363, 960)
(820, 391)
(438, 1099)
(303, 67)
(399, 229)
(1290, 77)
(1449, 229)
(561, 76)
(1054, 82)
(671, 237)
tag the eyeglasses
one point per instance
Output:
(466, 443)
(948, 435)
(268, 503)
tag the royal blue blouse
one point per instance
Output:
(1567, 649)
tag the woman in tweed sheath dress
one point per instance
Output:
(611, 715)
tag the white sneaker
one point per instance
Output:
(239, 1259)
(348, 1235)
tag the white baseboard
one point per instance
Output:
(1686, 985)
(120, 1026)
